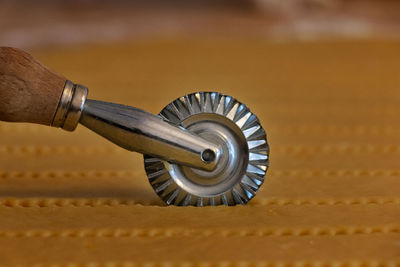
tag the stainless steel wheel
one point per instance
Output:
(222, 120)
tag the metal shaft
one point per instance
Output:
(137, 130)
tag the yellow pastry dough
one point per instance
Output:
(331, 196)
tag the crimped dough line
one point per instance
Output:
(121, 173)
(61, 173)
(170, 232)
(347, 263)
(38, 150)
(306, 129)
(104, 202)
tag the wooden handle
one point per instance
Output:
(29, 92)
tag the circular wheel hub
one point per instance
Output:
(243, 162)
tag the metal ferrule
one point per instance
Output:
(70, 107)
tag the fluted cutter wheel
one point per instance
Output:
(242, 167)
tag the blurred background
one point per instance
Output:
(41, 23)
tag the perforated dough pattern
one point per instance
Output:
(331, 197)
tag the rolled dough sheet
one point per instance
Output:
(331, 196)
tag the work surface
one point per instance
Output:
(331, 196)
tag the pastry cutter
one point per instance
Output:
(204, 148)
